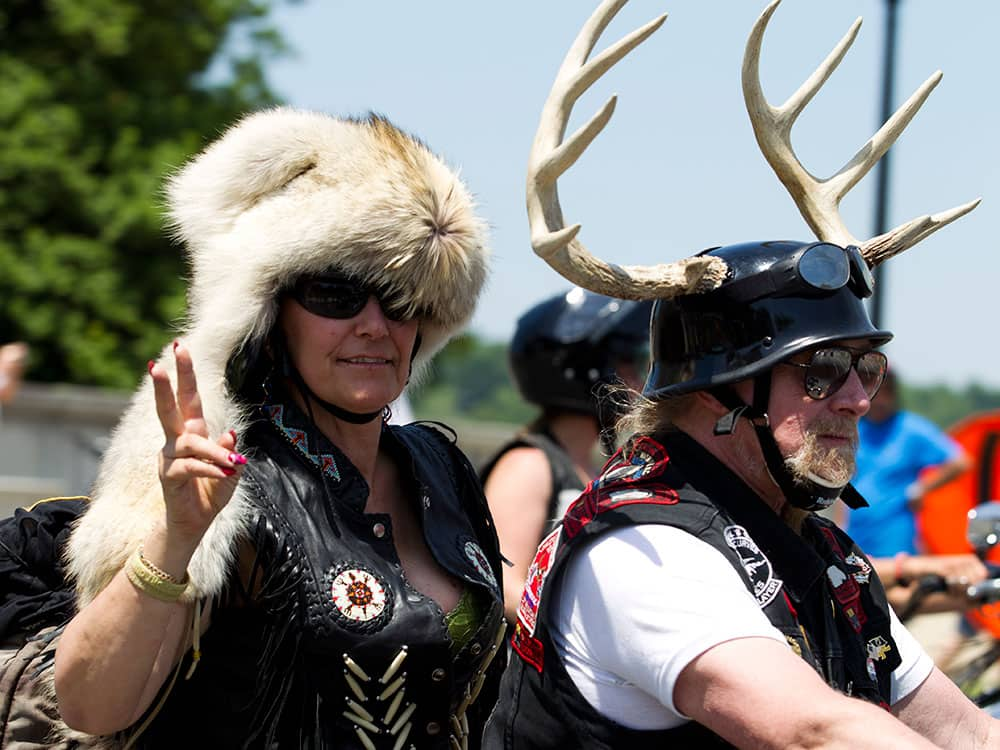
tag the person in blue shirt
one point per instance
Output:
(901, 457)
(895, 448)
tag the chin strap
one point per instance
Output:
(337, 411)
(813, 494)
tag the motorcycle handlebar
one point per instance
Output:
(984, 591)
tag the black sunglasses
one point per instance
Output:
(341, 297)
(828, 369)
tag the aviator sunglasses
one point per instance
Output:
(828, 369)
(341, 297)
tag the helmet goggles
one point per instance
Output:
(815, 270)
(333, 295)
(828, 369)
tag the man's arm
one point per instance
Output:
(941, 712)
(939, 476)
(756, 693)
(901, 574)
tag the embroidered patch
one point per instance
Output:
(862, 570)
(527, 610)
(878, 648)
(846, 588)
(619, 497)
(298, 438)
(482, 565)
(755, 563)
(358, 595)
(637, 464)
(836, 576)
(847, 591)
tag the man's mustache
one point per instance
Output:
(844, 427)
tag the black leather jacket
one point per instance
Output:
(324, 643)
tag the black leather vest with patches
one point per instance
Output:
(320, 641)
(816, 587)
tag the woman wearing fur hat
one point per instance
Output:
(286, 570)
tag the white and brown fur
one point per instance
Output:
(282, 193)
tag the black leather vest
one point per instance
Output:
(329, 646)
(817, 588)
(566, 484)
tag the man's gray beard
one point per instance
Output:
(834, 466)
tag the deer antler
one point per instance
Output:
(818, 200)
(551, 239)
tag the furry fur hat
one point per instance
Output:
(282, 194)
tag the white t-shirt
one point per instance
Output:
(639, 603)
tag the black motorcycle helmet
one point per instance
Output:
(778, 299)
(566, 347)
(765, 311)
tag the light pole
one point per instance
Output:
(882, 174)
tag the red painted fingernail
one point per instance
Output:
(176, 344)
(237, 458)
(233, 433)
(227, 471)
(150, 365)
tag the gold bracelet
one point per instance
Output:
(152, 581)
(159, 572)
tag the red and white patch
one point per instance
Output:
(527, 610)
(358, 595)
(861, 570)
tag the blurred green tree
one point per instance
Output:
(946, 405)
(100, 99)
(470, 379)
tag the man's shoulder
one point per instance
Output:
(642, 487)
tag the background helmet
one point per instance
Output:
(778, 299)
(564, 348)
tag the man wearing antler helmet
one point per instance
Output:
(691, 596)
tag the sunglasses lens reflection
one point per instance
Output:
(871, 367)
(829, 369)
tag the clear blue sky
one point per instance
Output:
(677, 169)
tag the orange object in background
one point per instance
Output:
(943, 517)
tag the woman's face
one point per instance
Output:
(359, 363)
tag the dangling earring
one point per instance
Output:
(267, 382)
(386, 414)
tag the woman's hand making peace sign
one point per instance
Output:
(198, 474)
